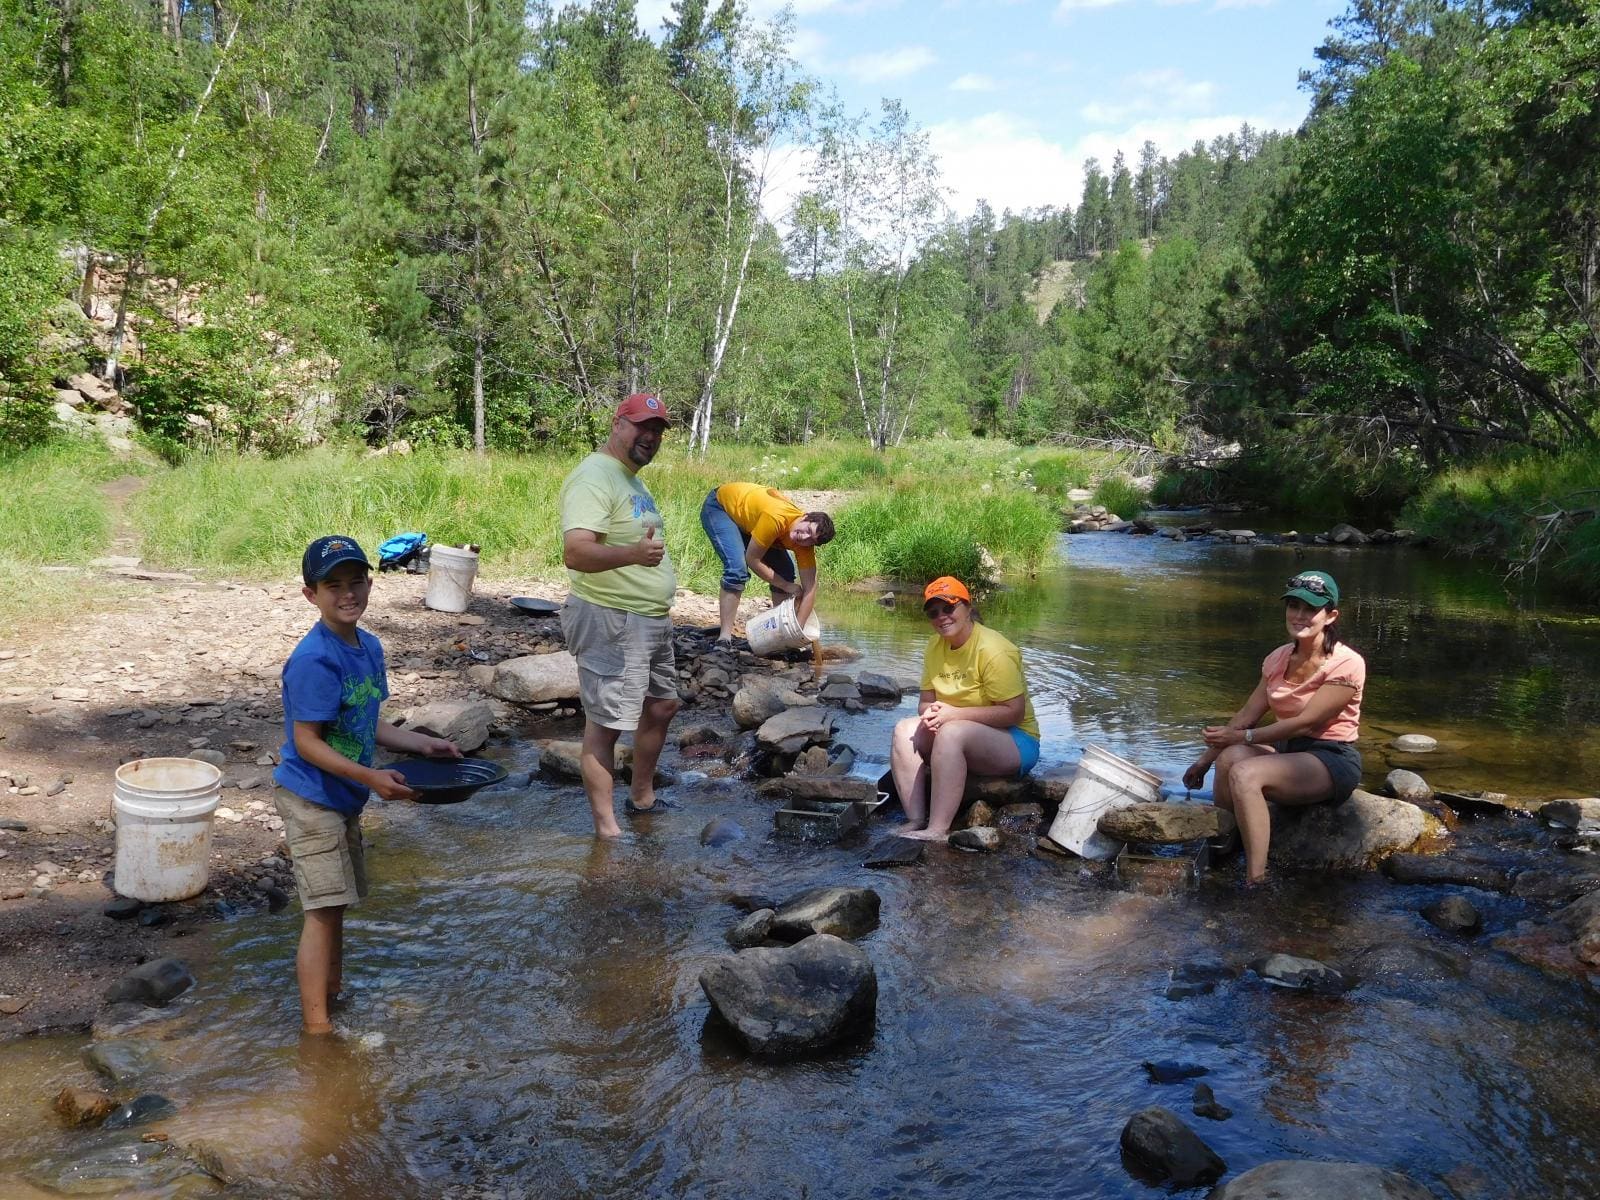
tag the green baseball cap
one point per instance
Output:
(1316, 588)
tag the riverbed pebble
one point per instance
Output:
(1158, 1140)
(1416, 743)
(1454, 914)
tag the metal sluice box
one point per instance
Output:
(1173, 869)
(823, 821)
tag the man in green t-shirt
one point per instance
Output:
(615, 618)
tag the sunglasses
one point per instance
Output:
(1314, 584)
(938, 609)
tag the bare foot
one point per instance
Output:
(612, 830)
(927, 835)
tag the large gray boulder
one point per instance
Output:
(464, 722)
(791, 1001)
(1165, 824)
(536, 678)
(793, 730)
(846, 912)
(1358, 833)
(755, 703)
(1160, 1142)
(1569, 812)
(1320, 1181)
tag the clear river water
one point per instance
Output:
(527, 1019)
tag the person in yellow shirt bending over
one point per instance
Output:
(973, 715)
(753, 529)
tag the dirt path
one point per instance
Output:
(171, 668)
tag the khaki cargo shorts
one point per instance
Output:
(329, 866)
(622, 658)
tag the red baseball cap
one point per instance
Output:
(946, 587)
(643, 406)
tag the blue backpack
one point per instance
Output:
(400, 550)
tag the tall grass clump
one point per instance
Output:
(1120, 496)
(51, 511)
(917, 534)
(1495, 508)
(1057, 472)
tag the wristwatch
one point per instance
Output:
(1250, 736)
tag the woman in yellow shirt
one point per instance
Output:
(973, 715)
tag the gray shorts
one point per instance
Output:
(329, 866)
(622, 658)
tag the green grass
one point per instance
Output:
(1059, 471)
(51, 511)
(1494, 508)
(254, 516)
(1119, 496)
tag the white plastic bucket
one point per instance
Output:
(163, 810)
(1103, 782)
(450, 575)
(777, 630)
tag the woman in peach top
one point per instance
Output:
(1308, 753)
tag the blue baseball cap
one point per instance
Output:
(326, 553)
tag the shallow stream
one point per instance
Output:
(527, 1019)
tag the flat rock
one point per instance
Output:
(1415, 743)
(752, 930)
(121, 1061)
(464, 722)
(1443, 869)
(1159, 1141)
(1358, 833)
(791, 1001)
(154, 984)
(1300, 974)
(1195, 979)
(846, 912)
(839, 693)
(1320, 1181)
(1165, 824)
(980, 838)
(536, 678)
(827, 788)
(1168, 1071)
(1454, 914)
(793, 730)
(1410, 960)
(1000, 790)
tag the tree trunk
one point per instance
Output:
(358, 110)
(64, 47)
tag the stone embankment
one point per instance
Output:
(1096, 519)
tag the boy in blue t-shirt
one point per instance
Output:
(333, 685)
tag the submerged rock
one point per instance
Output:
(1415, 743)
(1444, 869)
(1454, 914)
(795, 1000)
(1569, 813)
(844, 912)
(1357, 833)
(1165, 824)
(1407, 785)
(1158, 1140)
(154, 984)
(1168, 1071)
(148, 1107)
(1300, 974)
(1204, 1104)
(752, 931)
(1195, 979)
(719, 831)
(1320, 1181)
(121, 1062)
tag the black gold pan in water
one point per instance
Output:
(447, 780)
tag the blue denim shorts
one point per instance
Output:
(730, 543)
(1027, 747)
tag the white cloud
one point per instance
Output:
(650, 14)
(1164, 91)
(1010, 163)
(883, 65)
(972, 83)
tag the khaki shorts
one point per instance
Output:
(329, 866)
(622, 658)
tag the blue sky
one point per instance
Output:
(1015, 94)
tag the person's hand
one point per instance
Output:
(781, 584)
(1220, 737)
(391, 785)
(436, 747)
(936, 716)
(1195, 776)
(649, 550)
